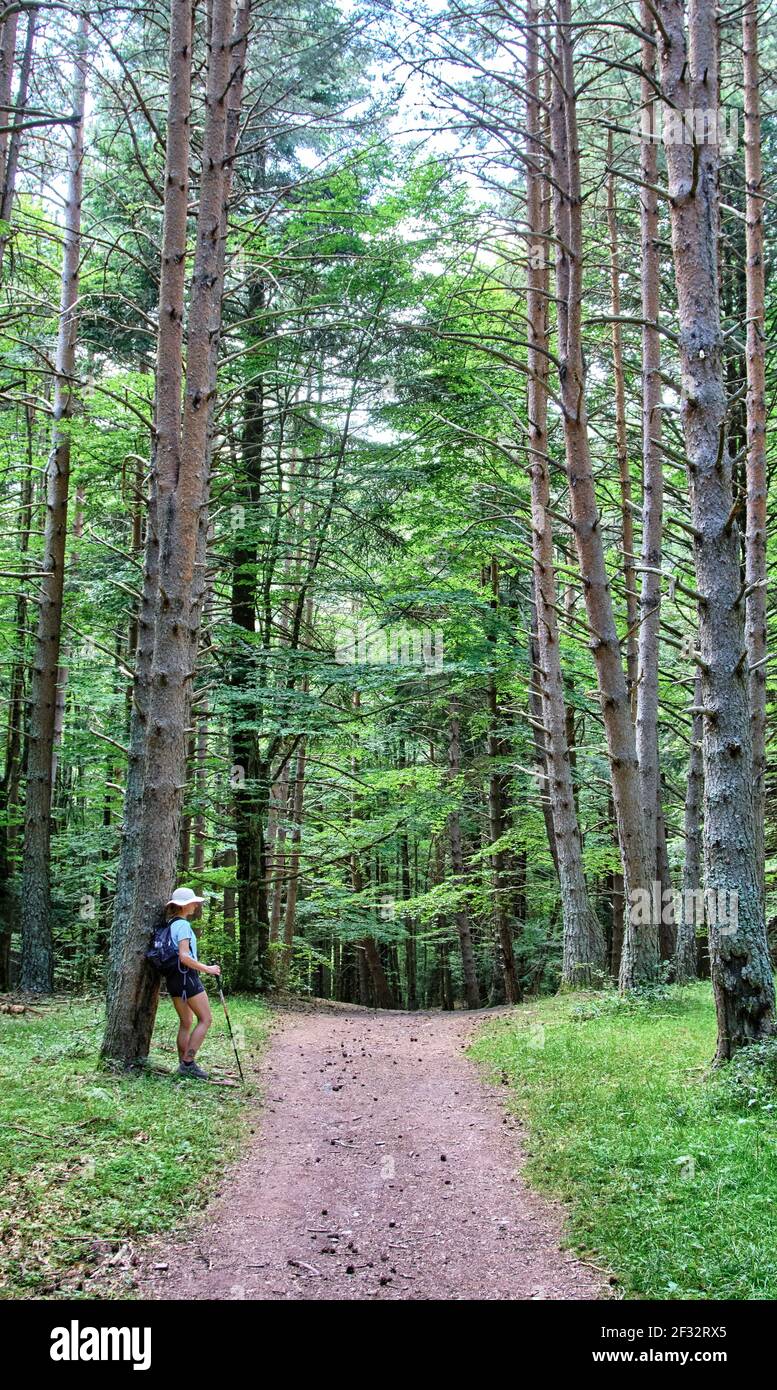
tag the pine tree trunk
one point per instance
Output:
(461, 916)
(685, 958)
(639, 961)
(182, 482)
(583, 954)
(12, 770)
(622, 444)
(652, 462)
(8, 31)
(411, 953)
(539, 736)
(741, 971)
(497, 813)
(756, 530)
(290, 920)
(9, 154)
(668, 929)
(37, 974)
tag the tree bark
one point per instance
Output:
(741, 971)
(497, 813)
(7, 55)
(12, 770)
(37, 973)
(652, 462)
(685, 955)
(471, 989)
(183, 456)
(583, 951)
(290, 919)
(165, 462)
(9, 152)
(622, 444)
(755, 535)
(639, 960)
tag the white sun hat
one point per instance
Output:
(182, 897)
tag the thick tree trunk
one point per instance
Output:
(755, 536)
(37, 974)
(164, 467)
(183, 451)
(165, 464)
(741, 971)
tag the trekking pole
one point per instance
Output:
(231, 1034)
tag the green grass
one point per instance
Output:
(670, 1172)
(91, 1161)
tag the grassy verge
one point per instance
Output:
(91, 1161)
(670, 1174)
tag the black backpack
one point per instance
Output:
(163, 953)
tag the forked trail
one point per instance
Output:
(381, 1168)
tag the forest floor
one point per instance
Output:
(667, 1167)
(93, 1163)
(382, 1167)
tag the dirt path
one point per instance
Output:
(381, 1168)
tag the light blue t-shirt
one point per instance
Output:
(179, 930)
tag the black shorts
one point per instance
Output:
(183, 984)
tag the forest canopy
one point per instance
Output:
(387, 488)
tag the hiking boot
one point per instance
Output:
(191, 1069)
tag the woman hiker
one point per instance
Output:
(184, 984)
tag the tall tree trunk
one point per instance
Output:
(12, 769)
(252, 790)
(639, 961)
(583, 953)
(741, 971)
(7, 55)
(367, 949)
(183, 453)
(755, 536)
(622, 443)
(165, 456)
(9, 157)
(37, 973)
(497, 814)
(652, 462)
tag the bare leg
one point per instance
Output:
(199, 1005)
(185, 1025)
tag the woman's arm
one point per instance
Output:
(190, 963)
